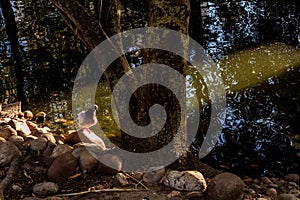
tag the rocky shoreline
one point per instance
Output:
(35, 163)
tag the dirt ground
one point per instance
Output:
(95, 186)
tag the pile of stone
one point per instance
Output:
(56, 158)
(59, 157)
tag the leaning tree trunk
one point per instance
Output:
(91, 31)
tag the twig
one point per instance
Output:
(138, 182)
(102, 190)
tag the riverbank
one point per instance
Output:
(37, 163)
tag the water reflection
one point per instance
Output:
(265, 117)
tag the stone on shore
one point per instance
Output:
(62, 167)
(225, 186)
(154, 174)
(6, 131)
(8, 151)
(109, 164)
(87, 162)
(45, 188)
(185, 180)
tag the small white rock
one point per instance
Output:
(45, 189)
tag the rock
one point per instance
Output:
(40, 131)
(39, 144)
(60, 149)
(28, 115)
(16, 138)
(6, 131)
(138, 175)
(31, 125)
(194, 195)
(40, 117)
(266, 180)
(2, 140)
(113, 164)
(272, 192)
(122, 178)
(62, 167)
(45, 189)
(72, 137)
(154, 174)
(287, 197)
(22, 128)
(185, 180)
(225, 186)
(16, 188)
(292, 178)
(8, 151)
(18, 141)
(60, 139)
(50, 138)
(77, 151)
(174, 193)
(87, 162)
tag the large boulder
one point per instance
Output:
(87, 162)
(225, 186)
(62, 167)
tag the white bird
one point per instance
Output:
(87, 119)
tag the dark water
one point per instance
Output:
(261, 129)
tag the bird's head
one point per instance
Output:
(96, 107)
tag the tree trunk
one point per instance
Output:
(172, 15)
(12, 33)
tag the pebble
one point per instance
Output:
(138, 175)
(154, 174)
(45, 188)
(225, 186)
(122, 178)
(174, 193)
(16, 188)
(185, 180)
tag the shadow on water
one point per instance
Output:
(261, 129)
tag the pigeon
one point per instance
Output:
(87, 119)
